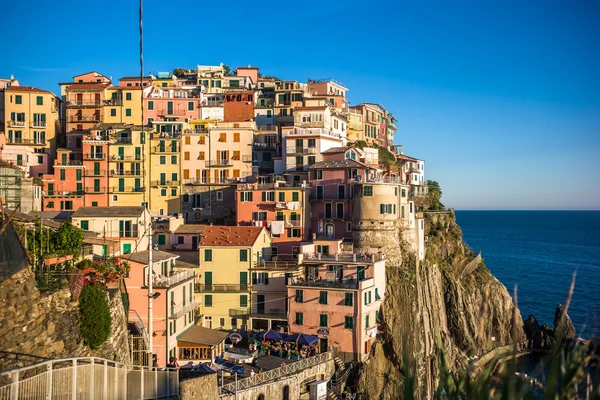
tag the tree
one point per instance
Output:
(360, 144)
(179, 72)
(226, 70)
(386, 157)
(95, 319)
(435, 194)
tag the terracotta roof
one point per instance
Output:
(201, 335)
(190, 228)
(112, 212)
(311, 108)
(406, 158)
(333, 150)
(128, 87)
(86, 86)
(136, 77)
(142, 256)
(90, 72)
(26, 89)
(230, 235)
(334, 164)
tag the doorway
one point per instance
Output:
(323, 345)
(194, 242)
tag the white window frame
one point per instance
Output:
(220, 195)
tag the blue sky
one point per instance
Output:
(502, 99)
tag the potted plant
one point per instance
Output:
(296, 355)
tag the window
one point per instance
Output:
(246, 196)
(62, 174)
(294, 233)
(281, 197)
(299, 298)
(163, 192)
(348, 299)
(201, 155)
(243, 255)
(260, 278)
(299, 318)
(190, 106)
(319, 194)
(236, 137)
(222, 137)
(208, 300)
(39, 100)
(127, 96)
(163, 160)
(84, 225)
(377, 296)
(18, 99)
(294, 196)
(268, 196)
(367, 190)
(323, 320)
(78, 174)
(50, 204)
(162, 240)
(403, 192)
(322, 297)
(236, 155)
(396, 191)
(348, 322)
(386, 208)
(319, 174)
(220, 195)
(126, 248)
(208, 255)
(186, 155)
(348, 226)
(174, 192)
(243, 300)
(113, 112)
(367, 321)
(150, 105)
(128, 112)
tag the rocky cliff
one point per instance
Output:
(450, 300)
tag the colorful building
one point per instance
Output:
(412, 172)
(63, 190)
(96, 167)
(165, 173)
(173, 308)
(238, 105)
(288, 96)
(29, 125)
(338, 296)
(281, 207)
(227, 255)
(372, 118)
(335, 92)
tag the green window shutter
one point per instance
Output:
(294, 196)
(208, 300)
(126, 248)
(62, 174)
(243, 255)
(243, 300)
(162, 240)
(18, 99)
(366, 298)
(367, 321)
(281, 196)
(85, 225)
(254, 278)
(323, 320)
(190, 106)
(184, 298)
(264, 196)
(150, 105)
(207, 255)
(299, 318)
(243, 278)
(128, 112)
(78, 174)
(39, 100)
(382, 208)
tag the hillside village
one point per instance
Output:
(246, 194)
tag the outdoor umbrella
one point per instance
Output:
(269, 335)
(300, 338)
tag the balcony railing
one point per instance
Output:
(132, 233)
(64, 193)
(92, 190)
(126, 189)
(93, 172)
(219, 163)
(247, 158)
(190, 306)
(296, 131)
(113, 102)
(267, 128)
(280, 261)
(206, 103)
(123, 140)
(35, 142)
(350, 283)
(85, 118)
(221, 288)
(95, 156)
(38, 124)
(83, 103)
(239, 312)
(301, 150)
(342, 258)
(164, 183)
(210, 181)
(264, 146)
(333, 216)
(120, 157)
(117, 172)
(16, 123)
(176, 277)
(67, 162)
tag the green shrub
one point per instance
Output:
(94, 313)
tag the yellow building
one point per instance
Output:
(165, 173)
(124, 104)
(128, 163)
(355, 125)
(227, 256)
(29, 122)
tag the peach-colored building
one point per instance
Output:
(173, 311)
(95, 167)
(337, 296)
(63, 190)
(171, 104)
(281, 207)
(332, 90)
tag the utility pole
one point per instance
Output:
(209, 178)
(150, 294)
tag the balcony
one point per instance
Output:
(84, 103)
(164, 183)
(210, 181)
(247, 158)
(166, 135)
(38, 124)
(93, 172)
(273, 313)
(207, 103)
(67, 162)
(113, 102)
(29, 142)
(165, 149)
(264, 164)
(94, 156)
(268, 128)
(131, 233)
(176, 277)
(122, 140)
(120, 172)
(85, 118)
(334, 216)
(219, 163)
(190, 306)
(321, 258)
(63, 193)
(122, 157)
(95, 190)
(350, 283)
(296, 131)
(221, 288)
(199, 130)
(280, 261)
(239, 312)
(264, 146)
(301, 150)
(13, 123)
(126, 189)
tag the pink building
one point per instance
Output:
(332, 183)
(63, 190)
(338, 296)
(169, 107)
(173, 309)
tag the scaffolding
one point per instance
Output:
(10, 185)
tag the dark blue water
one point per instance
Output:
(539, 251)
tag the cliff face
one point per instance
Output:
(449, 300)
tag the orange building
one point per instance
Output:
(239, 105)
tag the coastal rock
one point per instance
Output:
(538, 337)
(563, 326)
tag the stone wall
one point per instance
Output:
(202, 388)
(223, 211)
(47, 324)
(298, 388)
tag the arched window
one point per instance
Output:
(286, 392)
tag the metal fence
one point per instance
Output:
(276, 373)
(87, 378)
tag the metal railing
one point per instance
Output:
(92, 190)
(63, 193)
(126, 189)
(89, 377)
(264, 145)
(164, 183)
(38, 124)
(190, 306)
(301, 150)
(92, 172)
(219, 163)
(123, 157)
(276, 373)
(26, 141)
(161, 281)
(95, 156)
(67, 162)
(117, 172)
(95, 103)
(221, 287)
(239, 312)
(165, 149)
(354, 257)
(85, 118)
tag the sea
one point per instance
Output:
(539, 251)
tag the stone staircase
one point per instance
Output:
(338, 380)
